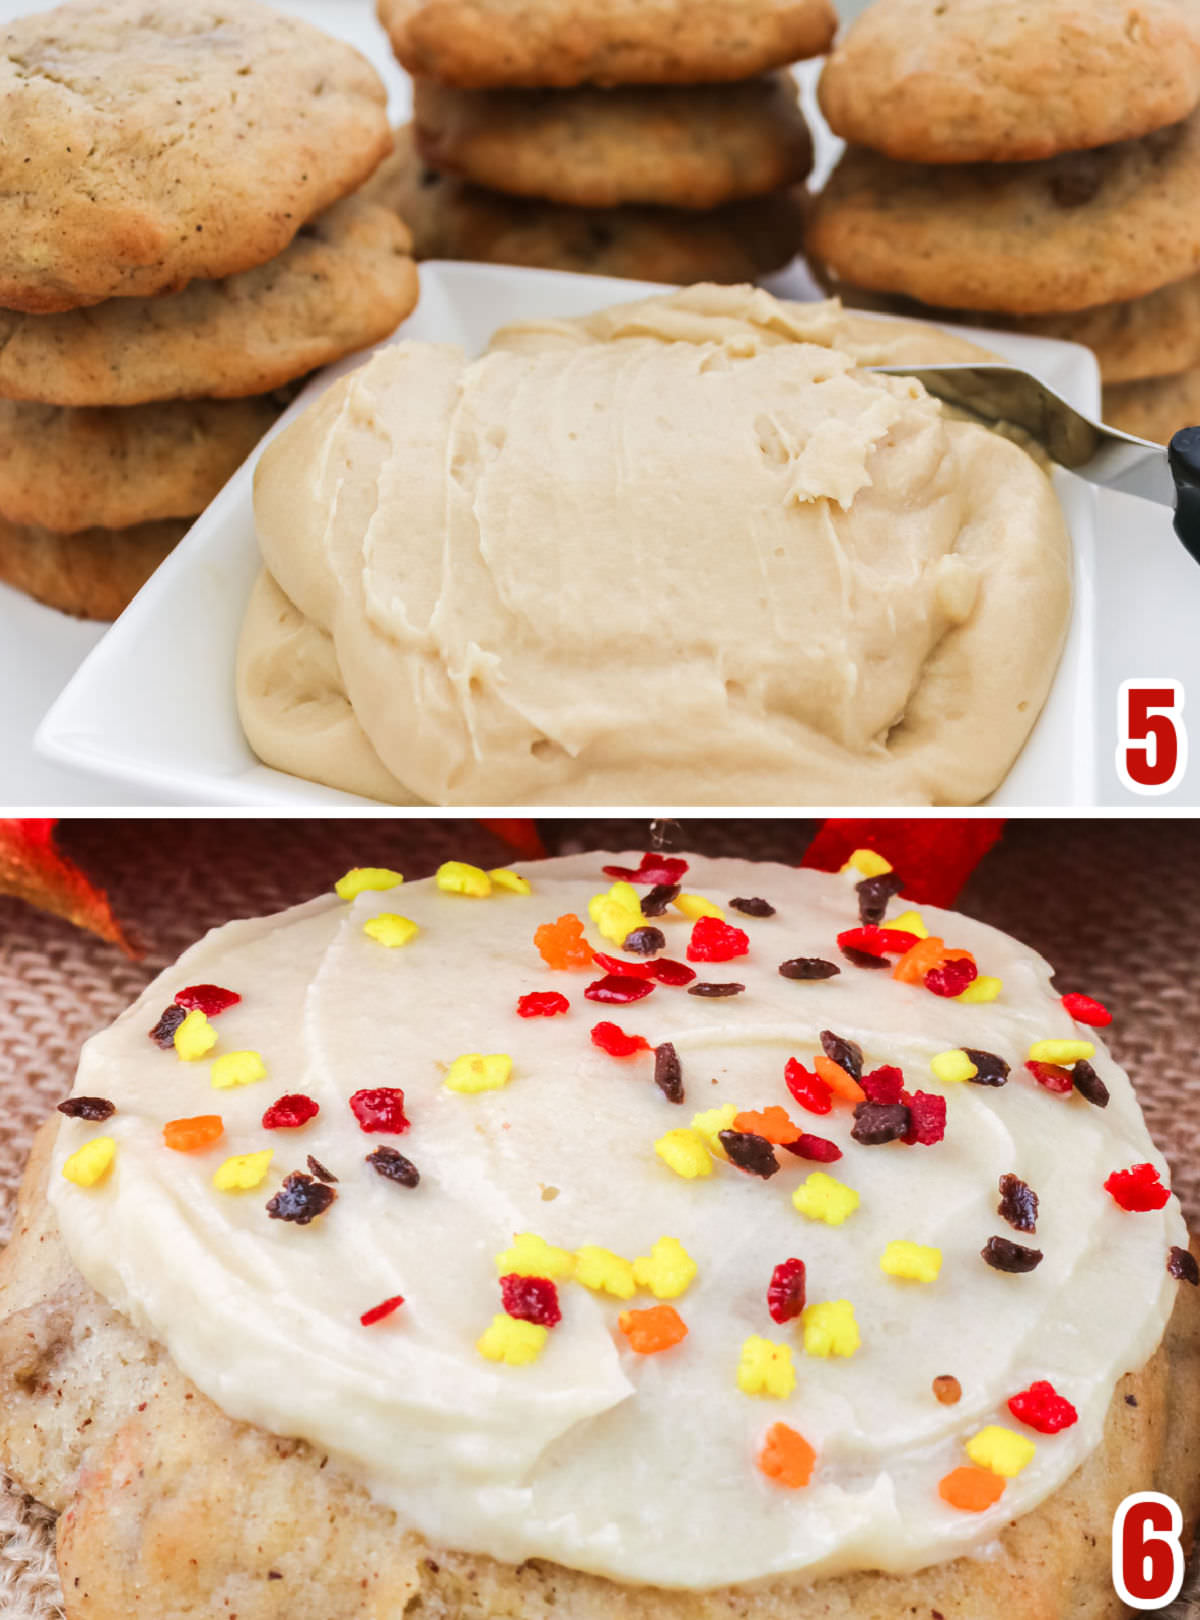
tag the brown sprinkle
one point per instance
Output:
(394, 1166)
(873, 896)
(1002, 1255)
(843, 1052)
(300, 1199)
(809, 967)
(990, 1070)
(754, 907)
(319, 1170)
(87, 1108)
(1183, 1265)
(863, 959)
(947, 1389)
(163, 1033)
(1018, 1203)
(877, 1123)
(659, 898)
(706, 988)
(749, 1152)
(1089, 1084)
(645, 941)
(668, 1073)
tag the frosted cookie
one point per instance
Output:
(148, 143)
(695, 147)
(450, 219)
(345, 280)
(988, 81)
(929, 1288)
(67, 468)
(1025, 239)
(700, 449)
(1156, 407)
(92, 573)
(490, 44)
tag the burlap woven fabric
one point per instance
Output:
(1111, 903)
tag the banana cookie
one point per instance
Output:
(1156, 407)
(147, 142)
(935, 1305)
(681, 147)
(451, 219)
(345, 280)
(1076, 230)
(74, 467)
(92, 573)
(965, 81)
(490, 44)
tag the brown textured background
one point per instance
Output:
(1115, 905)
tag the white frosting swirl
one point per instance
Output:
(638, 1468)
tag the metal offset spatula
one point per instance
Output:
(1102, 455)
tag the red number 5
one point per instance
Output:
(1151, 740)
(1147, 1558)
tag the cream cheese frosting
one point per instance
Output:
(639, 1468)
(683, 550)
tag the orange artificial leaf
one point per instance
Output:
(787, 1457)
(33, 869)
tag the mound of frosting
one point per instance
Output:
(684, 550)
(644, 1467)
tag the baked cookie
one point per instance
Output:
(1154, 336)
(450, 219)
(251, 1467)
(553, 44)
(344, 281)
(75, 467)
(1080, 229)
(92, 573)
(690, 147)
(143, 144)
(1156, 407)
(969, 81)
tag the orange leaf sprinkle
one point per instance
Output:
(562, 945)
(190, 1135)
(771, 1123)
(836, 1078)
(971, 1489)
(787, 1457)
(652, 1330)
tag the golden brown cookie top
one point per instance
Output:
(478, 44)
(142, 145)
(964, 81)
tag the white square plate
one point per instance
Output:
(153, 704)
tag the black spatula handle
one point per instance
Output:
(1183, 457)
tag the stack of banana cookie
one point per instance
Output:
(656, 139)
(1036, 165)
(178, 242)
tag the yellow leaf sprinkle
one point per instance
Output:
(514, 1343)
(237, 1069)
(476, 1071)
(1061, 1052)
(830, 1329)
(823, 1198)
(910, 922)
(361, 878)
(457, 877)
(513, 882)
(711, 1123)
(243, 1171)
(999, 1449)
(532, 1256)
(666, 1271)
(917, 1261)
(604, 1272)
(684, 1151)
(954, 1066)
(195, 1037)
(695, 906)
(869, 862)
(92, 1162)
(617, 913)
(390, 929)
(985, 988)
(765, 1368)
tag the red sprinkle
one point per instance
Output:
(1138, 1188)
(542, 1004)
(813, 1147)
(884, 1085)
(653, 869)
(716, 941)
(614, 964)
(611, 1038)
(877, 941)
(668, 972)
(809, 1090)
(530, 1299)
(209, 999)
(951, 978)
(1051, 1076)
(786, 1291)
(1043, 1408)
(1086, 1011)
(290, 1111)
(380, 1109)
(619, 988)
(927, 1118)
(378, 1312)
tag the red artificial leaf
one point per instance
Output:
(33, 869)
(934, 857)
